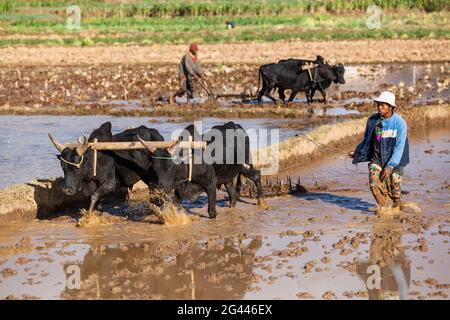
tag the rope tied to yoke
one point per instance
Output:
(308, 67)
(77, 165)
(169, 158)
(176, 158)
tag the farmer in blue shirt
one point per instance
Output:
(385, 146)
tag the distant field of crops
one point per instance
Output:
(114, 21)
(172, 8)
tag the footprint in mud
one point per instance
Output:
(8, 272)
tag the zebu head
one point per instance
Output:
(74, 163)
(339, 71)
(325, 72)
(168, 170)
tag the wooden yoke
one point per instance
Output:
(94, 164)
(308, 67)
(133, 145)
(190, 159)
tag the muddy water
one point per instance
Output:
(131, 89)
(373, 77)
(317, 244)
(26, 152)
(366, 78)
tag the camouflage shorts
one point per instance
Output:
(391, 186)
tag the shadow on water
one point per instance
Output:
(49, 199)
(351, 203)
(201, 202)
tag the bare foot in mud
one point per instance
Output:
(387, 211)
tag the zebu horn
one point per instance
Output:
(59, 146)
(147, 145)
(80, 139)
(81, 149)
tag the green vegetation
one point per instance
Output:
(44, 22)
(174, 8)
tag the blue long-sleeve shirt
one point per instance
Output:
(394, 142)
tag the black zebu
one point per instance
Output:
(337, 69)
(207, 175)
(227, 172)
(115, 169)
(171, 173)
(288, 74)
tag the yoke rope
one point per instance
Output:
(78, 165)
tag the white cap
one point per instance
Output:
(387, 97)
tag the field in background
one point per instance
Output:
(146, 22)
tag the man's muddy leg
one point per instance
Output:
(379, 197)
(377, 187)
(189, 90)
(182, 90)
(396, 188)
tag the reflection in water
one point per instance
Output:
(387, 252)
(217, 269)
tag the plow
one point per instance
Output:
(245, 96)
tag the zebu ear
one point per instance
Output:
(173, 147)
(59, 146)
(148, 146)
(82, 148)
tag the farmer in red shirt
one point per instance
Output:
(189, 69)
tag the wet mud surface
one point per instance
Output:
(143, 90)
(321, 244)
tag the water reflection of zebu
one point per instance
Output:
(386, 252)
(221, 269)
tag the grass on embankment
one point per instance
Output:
(296, 149)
